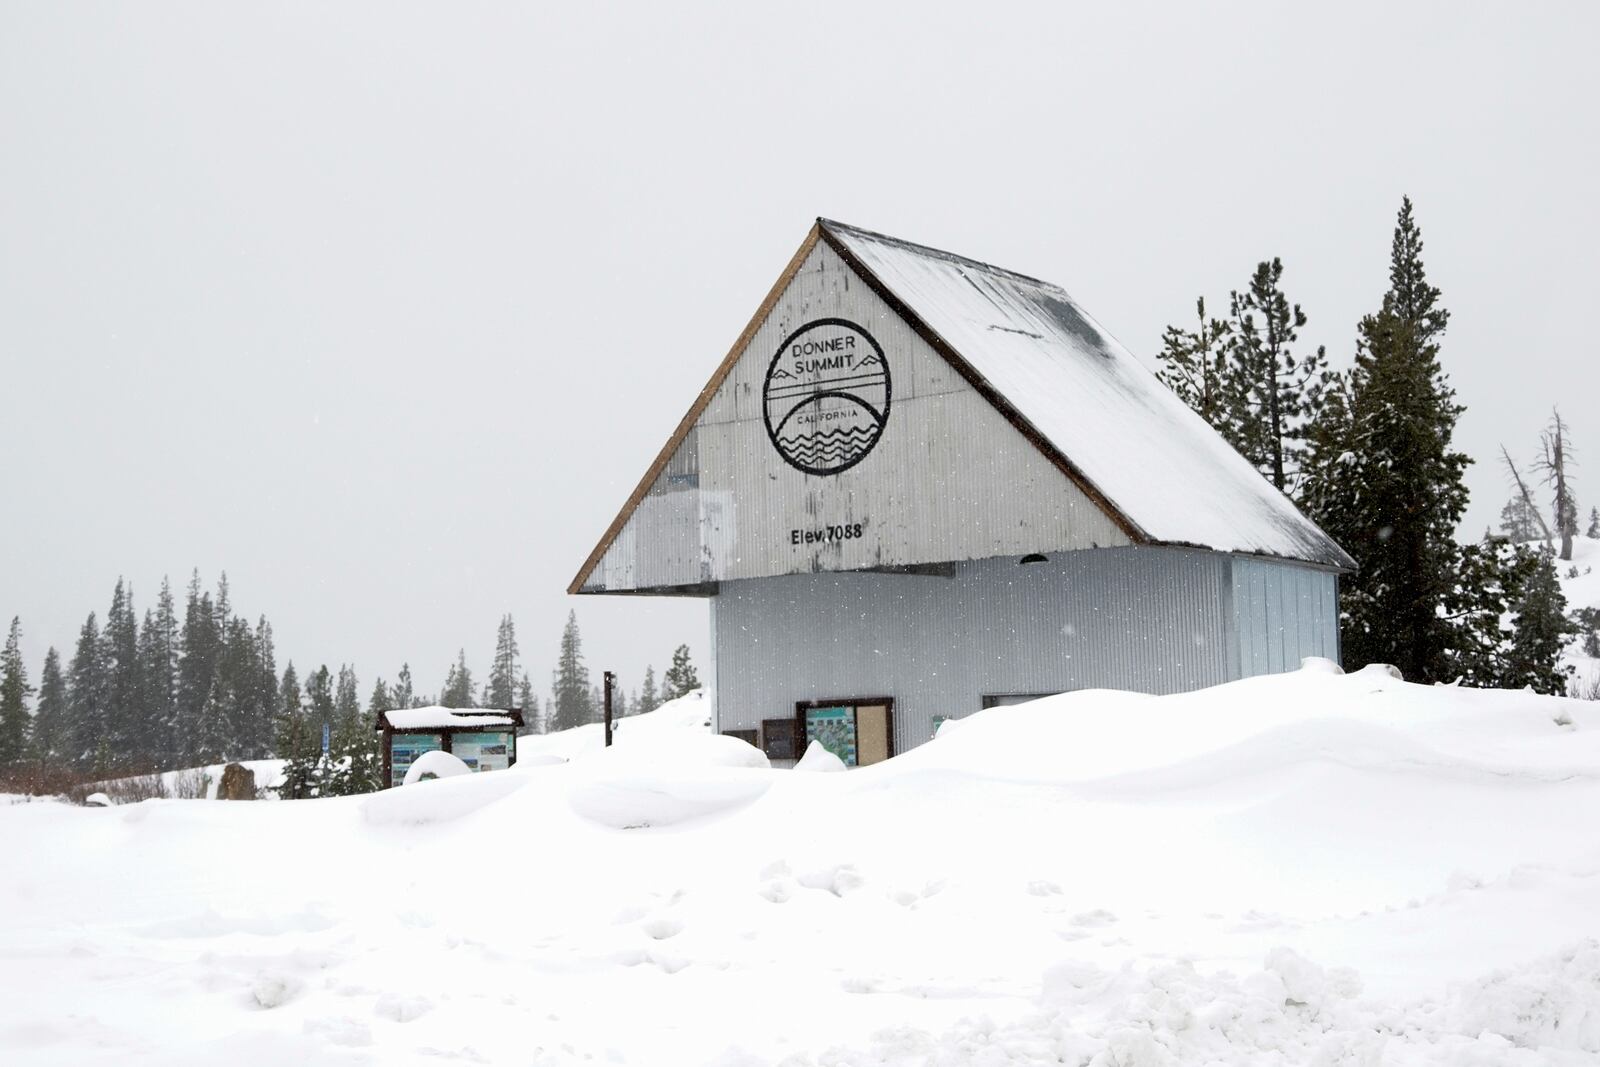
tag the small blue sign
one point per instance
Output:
(324, 739)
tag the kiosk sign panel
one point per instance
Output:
(488, 751)
(404, 750)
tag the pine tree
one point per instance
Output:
(320, 704)
(351, 766)
(529, 705)
(649, 699)
(1195, 365)
(120, 656)
(264, 697)
(403, 695)
(457, 691)
(158, 678)
(1275, 395)
(380, 700)
(14, 694)
(51, 723)
(502, 689)
(293, 742)
(1511, 622)
(571, 704)
(86, 698)
(1555, 463)
(681, 678)
(1517, 522)
(1385, 483)
(1594, 524)
(199, 643)
(1542, 630)
(1521, 513)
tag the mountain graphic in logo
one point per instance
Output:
(826, 397)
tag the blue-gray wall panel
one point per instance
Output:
(1144, 619)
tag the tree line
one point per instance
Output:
(169, 692)
(1366, 452)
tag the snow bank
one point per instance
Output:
(1311, 868)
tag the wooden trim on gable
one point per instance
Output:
(984, 389)
(699, 405)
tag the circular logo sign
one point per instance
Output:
(827, 396)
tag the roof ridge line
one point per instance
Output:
(941, 253)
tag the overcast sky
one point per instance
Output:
(384, 308)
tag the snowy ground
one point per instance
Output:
(1582, 590)
(1306, 869)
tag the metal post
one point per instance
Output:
(609, 678)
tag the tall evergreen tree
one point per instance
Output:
(457, 691)
(319, 700)
(529, 705)
(380, 700)
(14, 694)
(352, 766)
(1275, 393)
(86, 699)
(502, 691)
(120, 655)
(294, 742)
(681, 678)
(1594, 524)
(1195, 365)
(571, 703)
(51, 722)
(404, 695)
(649, 699)
(158, 678)
(200, 644)
(264, 698)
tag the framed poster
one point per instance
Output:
(404, 750)
(488, 751)
(836, 729)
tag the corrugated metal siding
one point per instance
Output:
(949, 478)
(1281, 614)
(1146, 619)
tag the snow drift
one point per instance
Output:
(1309, 868)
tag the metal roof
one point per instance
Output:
(1080, 394)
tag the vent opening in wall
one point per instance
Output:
(1033, 557)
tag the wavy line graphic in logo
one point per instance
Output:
(827, 396)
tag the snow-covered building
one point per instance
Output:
(919, 485)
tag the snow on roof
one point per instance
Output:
(1167, 472)
(435, 717)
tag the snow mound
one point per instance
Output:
(1368, 718)
(689, 714)
(818, 758)
(436, 764)
(443, 800)
(671, 778)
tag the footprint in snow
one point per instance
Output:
(661, 927)
(1095, 918)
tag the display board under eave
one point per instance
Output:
(839, 440)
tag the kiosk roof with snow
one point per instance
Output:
(894, 431)
(485, 739)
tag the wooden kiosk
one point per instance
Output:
(485, 739)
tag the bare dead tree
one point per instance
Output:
(1554, 463)
(1527, 497)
